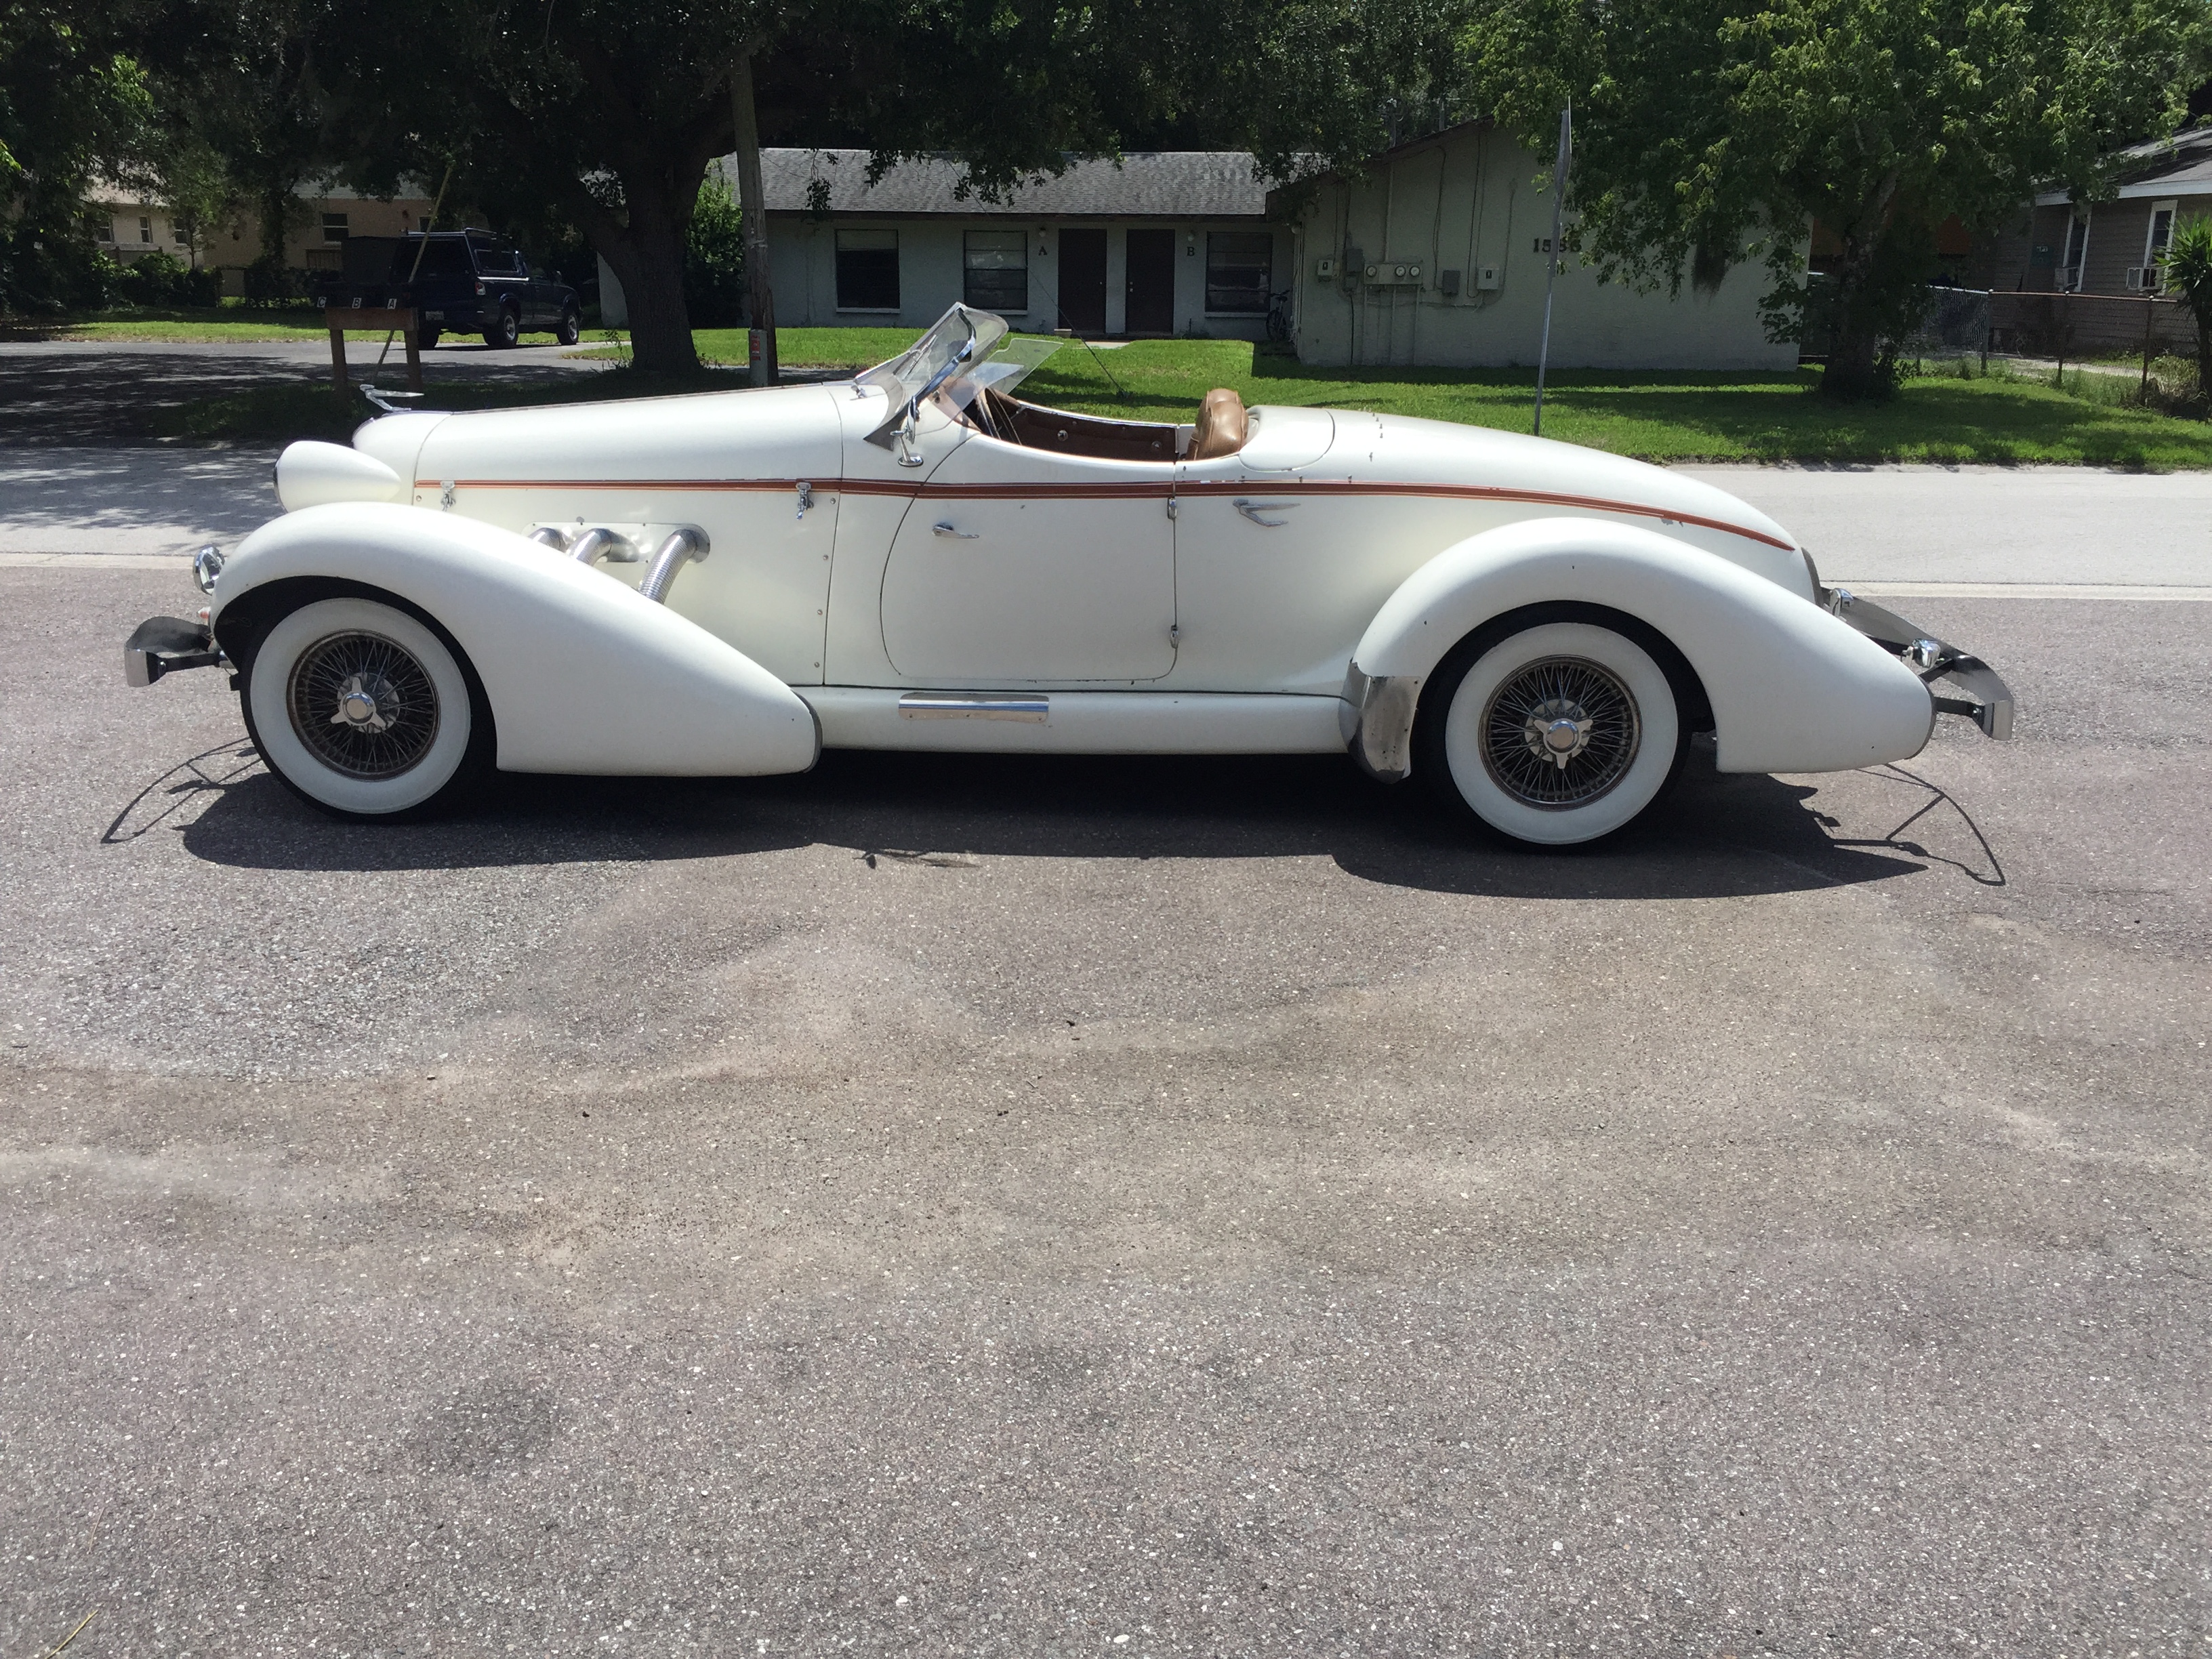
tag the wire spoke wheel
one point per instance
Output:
(1559, 733)
(363, 705)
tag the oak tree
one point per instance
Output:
(1711, 132)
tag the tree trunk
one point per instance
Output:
(1853, 372)
(646, 256)
(752, 206)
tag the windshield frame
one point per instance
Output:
(996, 359)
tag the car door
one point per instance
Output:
(499, 268)
(1016, 565)
(541, 309)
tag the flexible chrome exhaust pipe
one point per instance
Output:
(678, 550)
(599, 543)
(550, 536)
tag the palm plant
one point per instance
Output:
(2186, 272)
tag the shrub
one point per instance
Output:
(151, 280)
(46, 267)
(270, 282)
(2185, 268)
(714, 259)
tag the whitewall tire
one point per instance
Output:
(363, 710)
(1556, 733)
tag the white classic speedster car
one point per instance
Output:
(916, 558)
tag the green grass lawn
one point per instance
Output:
(1661, 416)
(1677, 416)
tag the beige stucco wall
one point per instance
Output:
(1469, 199)
(138, 227)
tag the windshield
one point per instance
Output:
(999, 362)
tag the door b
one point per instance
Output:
(1150, 294)
(1082, 280)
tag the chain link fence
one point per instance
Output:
(1960, 322)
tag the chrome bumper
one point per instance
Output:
(1932, 659)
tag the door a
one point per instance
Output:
(1082, 280)
(1019, 566)
(1150, 283)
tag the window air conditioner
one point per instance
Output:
(2068, 278)
(2142, 279)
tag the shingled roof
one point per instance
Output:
(1178, 184)
(2179, 165)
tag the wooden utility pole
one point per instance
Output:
(752, 207)
(1551, 270)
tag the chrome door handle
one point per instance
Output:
(1252, 510)
(943, 527)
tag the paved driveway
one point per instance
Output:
(1009, 1207)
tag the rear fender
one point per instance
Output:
(582, 674)
(1791, 689)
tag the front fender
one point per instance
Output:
(583, 675)
(1792, 689)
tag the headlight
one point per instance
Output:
(207, 565)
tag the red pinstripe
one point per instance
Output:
(1149, 489)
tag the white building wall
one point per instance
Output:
(1471, 200)
(932, 275)
(933, 272)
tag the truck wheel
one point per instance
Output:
(366, 712)
(572, 325)
(426, 336)
(1553, 732)
(506, 329)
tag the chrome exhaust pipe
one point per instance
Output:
(599, 543)
(677, 550)
(550, 536)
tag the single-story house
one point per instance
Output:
(2101, 256)
(1158, 243)
(1437, 256)
(2108, 247)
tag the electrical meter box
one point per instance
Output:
(1489, 276)
(1325, 269)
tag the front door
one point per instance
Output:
(1150, 294)
(1016, 566)
(1082, 280)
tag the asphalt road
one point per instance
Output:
(101, 392)
(1011, 1207)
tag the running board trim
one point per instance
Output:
(939, 706)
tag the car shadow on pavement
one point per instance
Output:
(1718, 836)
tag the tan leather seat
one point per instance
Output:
(1221, 426)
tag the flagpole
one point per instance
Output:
(1551, 275)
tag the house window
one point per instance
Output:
(2078, 250)
(2160, 232)
(867, 271)
(146, 230)
(334, 226)
(997, 272)
(177, 235)
(1240, 271)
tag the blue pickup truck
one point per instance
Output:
(461, 282)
